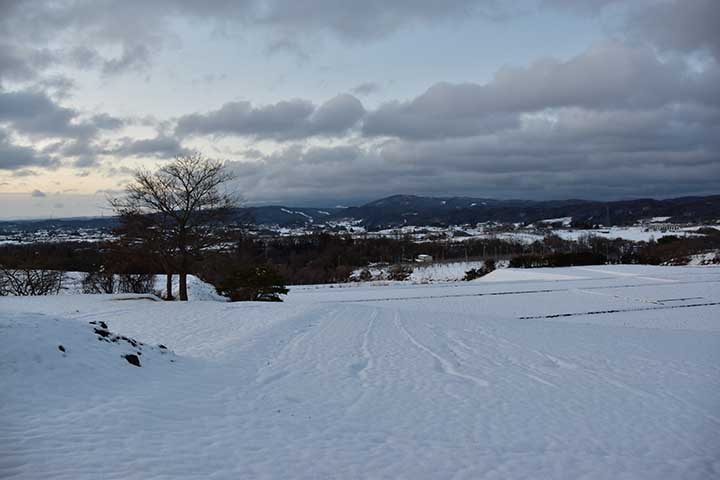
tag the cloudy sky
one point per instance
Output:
(326, 102)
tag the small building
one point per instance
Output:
(423, 258)
(663, 227)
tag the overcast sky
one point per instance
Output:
(326, 102)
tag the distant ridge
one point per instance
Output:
(398, 210)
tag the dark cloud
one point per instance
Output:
(684, 25)
(38, 194)
(679, 25)
(159, 147)
(335, 116)
(35, 113)
(608, 76)
(14, 157)
(13, 65)
(324, 176)
(283, 120)
(625, 118)
(138, 28)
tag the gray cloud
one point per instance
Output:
(159, 147)
(14, 157)
(146, 21)
(38, 194)
(366, 88)
(614, 121)
(323, 176)
(283, 120)
(140, 28)
(679, 25)
(136, 57)
(34, 113)
(608, 76)
(13, 66)
(105, 121)
(373, 18)
(580, 6)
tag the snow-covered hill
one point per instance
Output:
(593, 372)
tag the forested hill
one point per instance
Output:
(400, 210)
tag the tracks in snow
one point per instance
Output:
(617, 310)
(445, 365)
(515, 292)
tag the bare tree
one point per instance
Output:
(177, 207)
(30, 281)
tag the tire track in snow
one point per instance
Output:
(299, 336)
(510, 292)
(366, 363)
(445, 365)
(618, 310)
(619, 297)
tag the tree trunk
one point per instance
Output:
(183, 286)
(168, 286)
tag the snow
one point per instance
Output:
(522, 275)
(597, 372)
(632, 233)
(197, 289)
(707, 258)
(423, 273)
(562, 220)
(442, 272)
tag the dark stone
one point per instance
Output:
(102, 333)
(103, 325)
(61, 348)
(132, 359)
(162, 346)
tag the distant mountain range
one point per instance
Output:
(398, 210)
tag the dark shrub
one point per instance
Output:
(473, 273)
(30, 281)
(98, 282)
(136, 283)
(365, 275)
(400, 272)
(260, 284)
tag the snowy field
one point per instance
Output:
(607, 372)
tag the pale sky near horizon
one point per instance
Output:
(339, 102)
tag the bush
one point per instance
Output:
(473, 273)
(98, 282)
(528, 261)
(28, 281)
(365, 275)
(558, 260)
(260, 284)
(400, 273)
(136, 283)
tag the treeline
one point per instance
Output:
(326, 258)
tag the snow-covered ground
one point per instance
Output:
(600, 372)
(424, 272)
